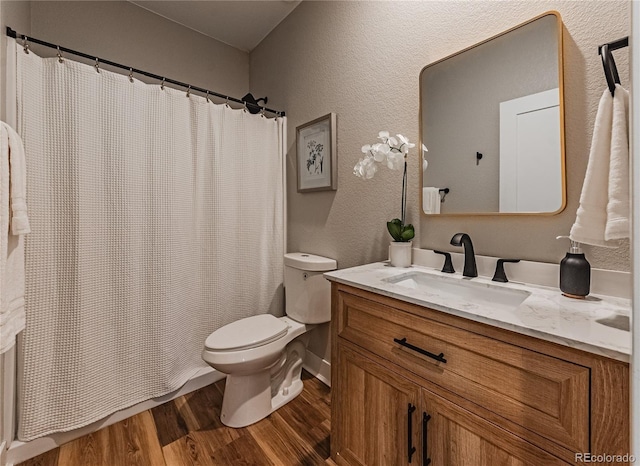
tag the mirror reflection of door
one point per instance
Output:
(464, 99)
(530, 164)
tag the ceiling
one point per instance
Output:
(241, 24)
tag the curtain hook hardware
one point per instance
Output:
(25, 44)
(97, 65)
(244, 108)
(189, 91)
(207, 96)
(59, 54)
(262, 113)
(162, 84)
(226, 102)
(130, 75)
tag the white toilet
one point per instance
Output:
(262, 355)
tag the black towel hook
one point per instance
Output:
(606, 65)
(609, 64)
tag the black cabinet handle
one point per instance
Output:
(437, 357)
(410, 448)
(425, 458)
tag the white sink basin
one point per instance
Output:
(460, 289)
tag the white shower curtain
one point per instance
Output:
(156, 219)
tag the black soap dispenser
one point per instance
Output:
(575, 272)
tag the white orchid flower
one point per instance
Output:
(377, 152)
(402, 139)
(365, 168)
(387, 139)
(405, 145)
(425, 163)
(404, 148)
(375, 146)
(379, 157)
(358, 169)
(370, 169)
(391, 152)
(395, 161)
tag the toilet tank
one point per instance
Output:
(307, 292)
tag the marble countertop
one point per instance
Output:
(598, 324)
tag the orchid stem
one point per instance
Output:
(404, 193)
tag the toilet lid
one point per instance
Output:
(247, 333)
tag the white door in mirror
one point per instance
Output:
(530, 158)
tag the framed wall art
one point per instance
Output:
(317, 155)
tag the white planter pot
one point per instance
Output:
(400, 253)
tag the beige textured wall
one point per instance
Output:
(125, 33)
(362, 60)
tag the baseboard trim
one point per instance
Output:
(21, 451)
(318, 367)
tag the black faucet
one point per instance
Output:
(462, 239)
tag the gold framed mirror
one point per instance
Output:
(492, 118)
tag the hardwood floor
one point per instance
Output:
(188, 431)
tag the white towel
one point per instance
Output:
(431, 200)
(18, 220)
(618, 207)
(603, 214)
(13, 224)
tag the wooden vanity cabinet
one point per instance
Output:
(371, 420)
(381, 418)
(500, 397)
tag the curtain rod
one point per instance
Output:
(131, 70)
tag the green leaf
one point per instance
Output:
(399, 232)
(395, 229)
(408, 233)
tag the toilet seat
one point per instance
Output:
(247, 333)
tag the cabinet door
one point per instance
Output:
(374, 408)
(452, 436)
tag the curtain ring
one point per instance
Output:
(97, 65)
(60, 59)
(130, 75)
(262, 113)
(207, 96)
(226, 102)
(162, 84)
(25, 44)
(189, 91)
(244, 108)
